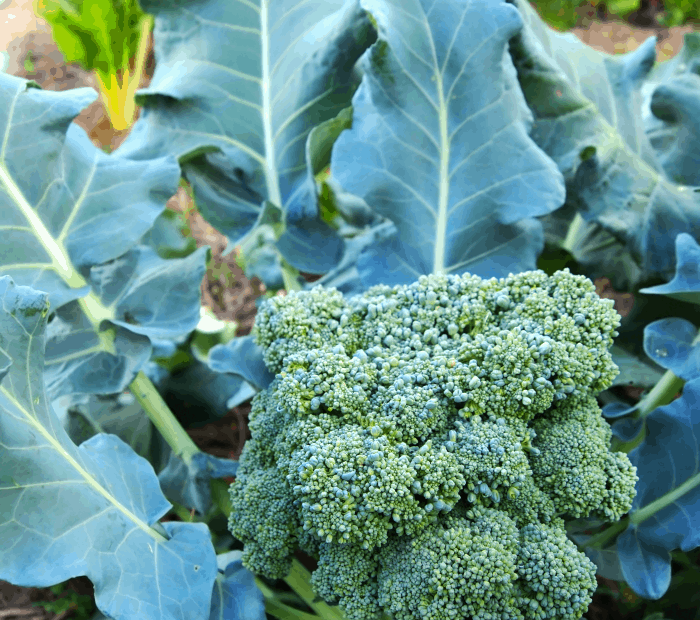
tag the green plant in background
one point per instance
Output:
(29, 63)
(563, 14)
(82, 605)
(109, 37)
(560, 14)
(677, 12)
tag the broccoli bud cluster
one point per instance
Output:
(424, 442)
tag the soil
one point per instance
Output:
(225, 289)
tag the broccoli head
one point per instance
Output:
(422, 442)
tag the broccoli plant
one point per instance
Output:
(426, 430)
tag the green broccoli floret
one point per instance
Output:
(422, 441)
(347, 575)
(491, 454)
(351, 485)
(463, 566)
(556, 581)
(326, 377)
(408, 404)
(263, 517)
(574, 466)
(302, 322)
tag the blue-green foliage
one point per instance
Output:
(100, 494)
(424, 440)
(73, 220)
(664, 515)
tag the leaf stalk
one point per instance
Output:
(118, 92)
(663, 393)
(158, 411)
(299, 580)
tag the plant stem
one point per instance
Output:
(669, 498)
(163, 419)
(285, 612)
(299, 580)
(661, 394)
(601, 539)
(577, 225)
(275, 607)
(290, 276)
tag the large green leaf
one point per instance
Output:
(673, 115)
(439, 144)
(71, 218)
(90, 510)
(237, 88)
(588, 117)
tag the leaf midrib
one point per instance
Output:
(271, 175)
(57, 253)
(89, 479)
(60, 260)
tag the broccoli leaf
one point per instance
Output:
(237, 89)
(69, 213)
(244, 358)
(664, 514)
(121, 415)
(685, 286)
(672, 117)
(671, 343)
(188, 483)
(167, 236)
(588, 109)
(439, 144)
(236, 597)
(71, 228)
(142, 291)
(88, 510)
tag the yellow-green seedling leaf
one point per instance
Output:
(109, 37)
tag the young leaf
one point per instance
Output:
(241, 357)
(672, 118)
(120, 415)
(67, 511)
(685, 285)
(150, 298)
(109, 36)
(188, 483)
(439, 144)
(673, 344)
(167, 238)
(236, 597)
